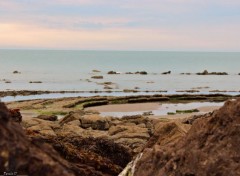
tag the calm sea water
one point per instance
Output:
(68, 70)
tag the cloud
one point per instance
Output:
(124, 24)
(204, 38)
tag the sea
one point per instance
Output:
(71, 70)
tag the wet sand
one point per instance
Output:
(126, 107)
(159, 110)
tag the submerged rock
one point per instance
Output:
(96, 71)
(36, 82)
(97, 77)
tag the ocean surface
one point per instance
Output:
(72, 70)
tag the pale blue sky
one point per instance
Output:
(207, 25)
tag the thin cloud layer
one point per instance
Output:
(131, 25)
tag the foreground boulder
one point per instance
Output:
(210, 147)
(18, 154)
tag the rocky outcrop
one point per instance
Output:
(44, 154)
(20, 155)
(141, 72)
(132, 132)
(205, 72)
(112, 73)
(210, 147)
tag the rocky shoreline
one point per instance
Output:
(40, 92)
(85, 143)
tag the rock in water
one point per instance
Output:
(211, 147)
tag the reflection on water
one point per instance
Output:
(163, 109)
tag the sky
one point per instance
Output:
(164, 25)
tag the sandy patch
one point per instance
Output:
(126, 107)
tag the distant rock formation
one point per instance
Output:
(205, 72)
(166, 73)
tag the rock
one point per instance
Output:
(186, 73)
(16, 72)
(20, 155)
(107, 87)
(130, 90)
(35, 82)
(129, 73)
(47, 117)
(43, 127)
(97, 77)
(148, 99)
(211, 146)
(205, 72)
(166, 73)
(96, 71)
(191, 119)
(71, 117)
(112, 73)
(95, 122)
(188, 91)
(141, 72)
(131, 131)
(47, 154)
(149, 113)
(131, 135)
(16, 115)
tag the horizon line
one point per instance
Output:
(116, 50)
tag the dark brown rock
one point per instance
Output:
(211, 147)
(112, 73)
(43, 154)
(16, 115)
(166, 73)
(97, 77)
(35, 82)
(205, 72)
(18, 154)
(16, 72)
(141, 72)
(48, 117)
